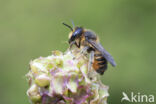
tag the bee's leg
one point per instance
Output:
(84, 50)
(81, 52)
(71, 44)
(91, 60)
(70, 47)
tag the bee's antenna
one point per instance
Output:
(68, 26)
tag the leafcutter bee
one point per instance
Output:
(88, 42)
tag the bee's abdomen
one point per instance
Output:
(100, 63)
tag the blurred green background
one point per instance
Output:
(30, 29)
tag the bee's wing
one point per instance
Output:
(100, 48)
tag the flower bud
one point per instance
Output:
(64, 79)
(34, 94)
(42, 80)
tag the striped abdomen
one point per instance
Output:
(100, 63)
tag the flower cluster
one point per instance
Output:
(64, 79)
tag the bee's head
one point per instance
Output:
(75, 34)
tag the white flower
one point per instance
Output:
(62, 79)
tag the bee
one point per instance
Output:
(88, 42)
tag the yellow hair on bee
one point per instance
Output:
(70, 34)
(97, 40)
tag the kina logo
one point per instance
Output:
(138, 97)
